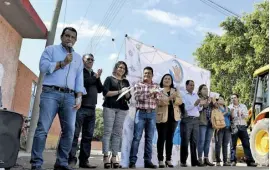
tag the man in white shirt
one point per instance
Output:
(190, 124)
(239, 113)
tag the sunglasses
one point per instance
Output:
(90, 59)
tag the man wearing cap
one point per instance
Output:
(86, 115)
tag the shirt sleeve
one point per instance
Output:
(244, 111)
(188, 105)
(106, 86)
(79, 85)
(128, 85)
(46, 65)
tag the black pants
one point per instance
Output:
(85, 120)
(189, 128)
(243, 135)
(222, 138)
(165, 133)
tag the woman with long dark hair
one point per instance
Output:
(168, 113)
(114, 112)
(205, 129)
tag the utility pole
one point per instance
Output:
(35, 113)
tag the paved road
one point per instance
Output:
(49, 159)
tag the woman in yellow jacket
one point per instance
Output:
(168, 113)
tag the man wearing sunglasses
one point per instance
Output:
(86, 116)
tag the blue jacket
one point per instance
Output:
(226, 116)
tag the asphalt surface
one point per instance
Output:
(49, 160)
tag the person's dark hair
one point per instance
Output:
(91, 55)
(117, 65)
(188, 81)
(161, 82)
(70, 29)
(200, 89)
(235, 95)
(219, 97)
(149, 68)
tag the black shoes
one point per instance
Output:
(36, 168)
(87, 165)
(252, 164)
(183, 165)
(58, 167)
(150, 165)
(132, 165)
(146, 165)
(207, 162)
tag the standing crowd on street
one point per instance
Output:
(71, 87)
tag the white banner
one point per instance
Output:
(139, 56)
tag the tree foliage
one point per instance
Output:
(234, 56)
(98, 133)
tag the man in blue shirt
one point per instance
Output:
(61, 93)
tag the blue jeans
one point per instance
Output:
(205, 136)
(143, 121)
(51, 103)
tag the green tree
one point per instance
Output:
(98, 133)
(234, 56)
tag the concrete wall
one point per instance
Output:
(22, 99)
(23, 89)
(10, 45)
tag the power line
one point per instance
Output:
(104, 26)
(128, 4)
(111, 22)
(226, 9)
(87, 9)
(214, 7)
(220, 8)
(111, 7)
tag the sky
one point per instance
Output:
(177, 27)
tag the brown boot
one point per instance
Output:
(207, 162)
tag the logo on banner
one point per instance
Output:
(176, 71)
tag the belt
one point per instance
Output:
(192, 117)
(147, 110)
(61, 89)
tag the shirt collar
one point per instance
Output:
(189, 93)
(90, 70)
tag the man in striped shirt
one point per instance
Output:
(146, 96)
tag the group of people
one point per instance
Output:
(70, 89)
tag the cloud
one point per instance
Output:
(113, 56)
(137, 33)
(172, 32)
(167, 18)
(84, 27)
(150, 3)
(175, 2)
(203, 30)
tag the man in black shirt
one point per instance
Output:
(86, 115)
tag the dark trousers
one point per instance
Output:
(189, 128)
(243, 135)
(85, 120)
(222, 138)
(165, 133)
